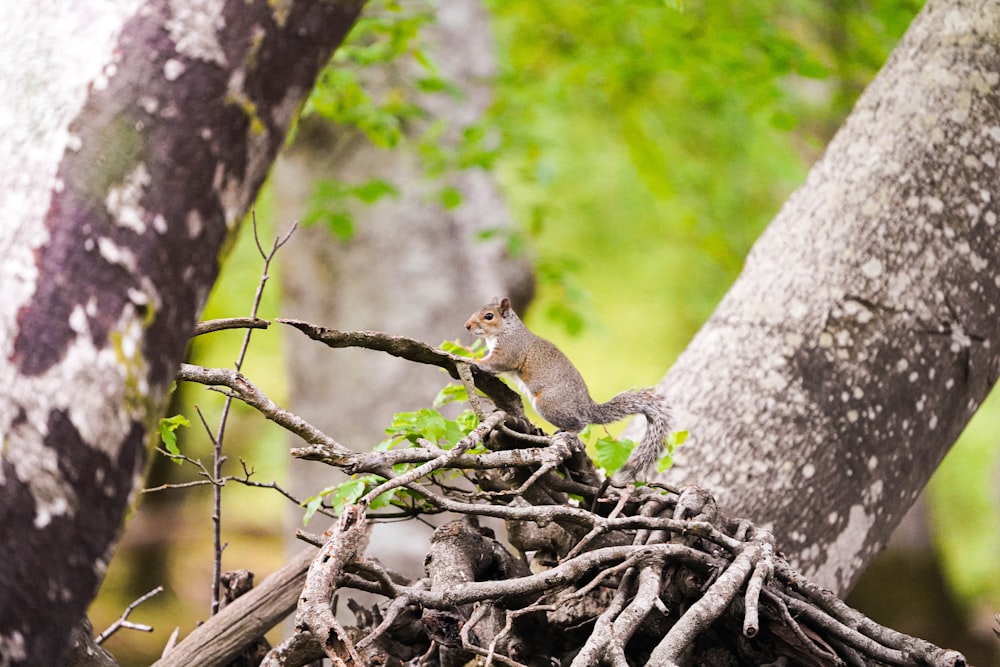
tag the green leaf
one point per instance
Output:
(449, 394)
(343, 495)
(457, 348)
(168, 428)
(673, 441)
(312, 504)
(450, 197)
(611, 454)
(373, 190)
(340, 223)
(347, 494)
(384, 499)
(431, 425)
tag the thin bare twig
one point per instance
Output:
(123, 622)
(222, 324)
(218, 459)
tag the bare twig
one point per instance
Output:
(222, 324)
(762, 572)
(123, 622)
(218, 459)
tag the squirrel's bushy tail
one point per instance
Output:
(658, 426)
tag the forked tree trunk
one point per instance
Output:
(135, 137)
(863, 332)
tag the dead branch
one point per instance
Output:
(217, 641)
(314, 615)
(123, 622)
(413, 350)
(223, 324)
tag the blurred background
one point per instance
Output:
(627, 154)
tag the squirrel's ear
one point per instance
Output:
(504, 306)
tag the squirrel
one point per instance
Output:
(557, 391)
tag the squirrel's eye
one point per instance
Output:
(488, 316)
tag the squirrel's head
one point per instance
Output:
(488, 320)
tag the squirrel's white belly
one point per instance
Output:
(522, 388)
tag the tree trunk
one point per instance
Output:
(138, 137)
(862, 334)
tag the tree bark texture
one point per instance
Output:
(136, 137)
(862, 333)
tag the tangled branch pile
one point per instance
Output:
(652, 575)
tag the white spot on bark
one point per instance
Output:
(45, 511)
(872, 268)
(934, 204)
(852, 416)
(160, 224)
(172, 69)
(808, 470)
(193, 26)
(138, 297)
(932, 424)
(832, 518)
(194, 224)
(115, 254)
(123, 201)
(797, 309)
(78, 320)
(13, 647)
(872, 462)
(844, 552)
(149, 104)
